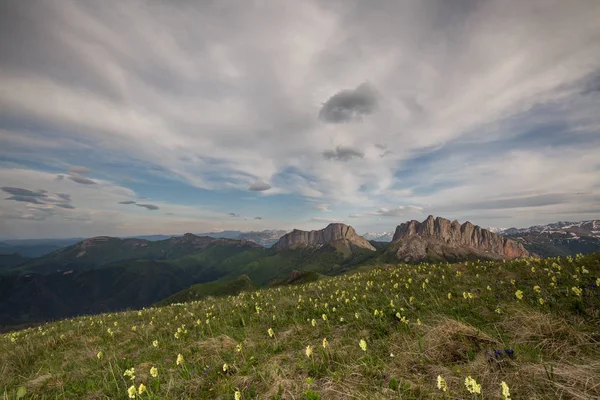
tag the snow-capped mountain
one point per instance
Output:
(559, 238)
(379, 236)
(581, 228)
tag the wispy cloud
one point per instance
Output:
(150, 207)
(369, 108)
(322, 207)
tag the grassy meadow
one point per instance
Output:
(448, 331)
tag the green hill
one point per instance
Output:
(202, 290)
(11, 260)
(35, 297)
(100, 251)
(382, 332)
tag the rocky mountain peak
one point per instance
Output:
(451, 234)
(334, 233)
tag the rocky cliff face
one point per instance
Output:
(445, 235)
(333, 234)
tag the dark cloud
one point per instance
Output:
(259, 186)
(82, 180)
(127, 202)
(349, 105)
(60, 177)
(64, 196)
(257, 217)
(65, 205)
(233, 215)
(74, 169)
(148, 206)
(25, 199)
(342, 153)
(24, 192)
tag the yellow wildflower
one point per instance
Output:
(576, 290)
(141, 388)
(99, 355)
(313, 322)
(472, 385)
(308, 351)
(537, 289)
(270, 332)
(239, 348)
(130, 373)
(131, 392)
(441, 384)
(505, 391)
(154, 372)
(541, 301)
(237, 395)
(363, 345)
(180, 359)
(225, 367)
(519, 294)
(155, 343)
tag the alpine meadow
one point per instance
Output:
(299, 200)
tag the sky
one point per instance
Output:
(163, 117)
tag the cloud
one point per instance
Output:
(259, 186)
(80, 179)
(151, 207)
(60, 177)
(78, 170)
(25, 199)
(197, 107)
(127, 202)
(64, 196)
(258, 218)
(322, 207)
(356, 215)
(233, 214)
(65, 205)
(342, 153)
(24, 192)
(330, 220)
(399, 211)
(349, 105)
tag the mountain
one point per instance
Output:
(34, 247)
(379, 236)
(560, 238)
(266, 238)
(340, 236)
(104, 250)
(63, 284)
(11, 260)
(442, 239)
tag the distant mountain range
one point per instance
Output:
(379, 236)
(558, 239)
(31, 248)
(105, 274)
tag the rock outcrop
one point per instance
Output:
(444, 239)
(334, 234)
